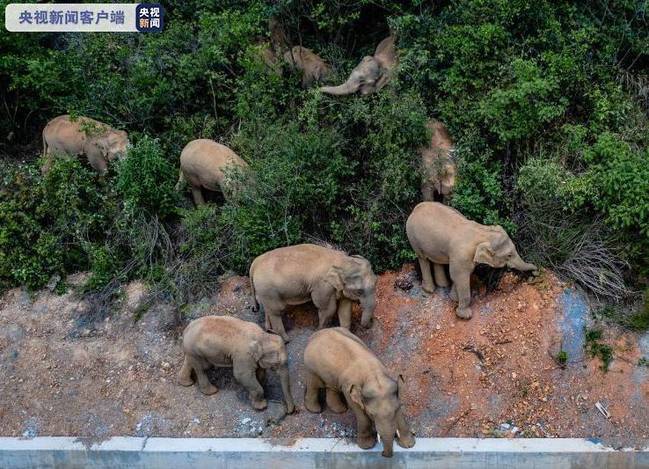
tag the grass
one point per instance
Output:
(596, 348)
(561, 358)
(635, 320)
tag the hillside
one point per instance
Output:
(495, 375)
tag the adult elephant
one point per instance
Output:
(372, 74)
(341, 364)
(298, 274)
(206, 164)
(99, 142)
(442, 235)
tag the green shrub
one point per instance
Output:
(545, 101)
(596, 348)
(48, 224)
(145, 179)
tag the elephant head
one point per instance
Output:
(380, 400)
(363, 78)
(270, 353)
(353, 278)
(499, 251)
(371, 74)
(112, 144)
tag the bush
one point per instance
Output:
(545, 101)
(48, 224)
(145, 179)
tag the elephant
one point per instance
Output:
(313, 67)
(271, 52)
(205, 164)
(99, 142)
(339, 362)
(331, 279)
(269, 58)
(372, 74)
(438, 167)
(442, 235)
(224, 341)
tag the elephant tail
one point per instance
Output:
(251, 274)
(255, 303)
(44, 145)
(181, 180)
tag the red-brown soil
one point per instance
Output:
(494, 375)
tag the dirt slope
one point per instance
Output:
(494, 375)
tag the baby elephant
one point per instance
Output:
(313, 67)
(202, 165)
(442, 235)
(340, 363)
(76, 136)
(223, 341)
(294, 275)
(437, 163)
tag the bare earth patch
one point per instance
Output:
(494, 375)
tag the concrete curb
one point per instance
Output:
(134, 452)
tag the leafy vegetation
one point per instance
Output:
(546, 101)
(596, 348)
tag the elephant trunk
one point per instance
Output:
(519, 264)
(349, 87)
(387, 432)
(368, 304)
(286, 388)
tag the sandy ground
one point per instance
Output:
(492, 376)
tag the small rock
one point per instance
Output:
(54, 281)
(405, 281)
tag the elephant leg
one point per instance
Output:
(327, 306)
(453, 293)
(185, 374)
(48, 160)
(345, 313)
(427, 192)
(204, 384)
(245, 373)
(334, 401)
(313, 386)
(261, 375)
(440, 275)
(461, 277)
(405, 437)
(198, 196)
(427, 283)
(276, 323)
(366, 436)
(98, 163)
(266, 321)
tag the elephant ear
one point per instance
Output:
(334, 277)
(256, 350)
(484, 254)
(356, 395)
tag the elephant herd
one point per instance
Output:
(335, 360)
